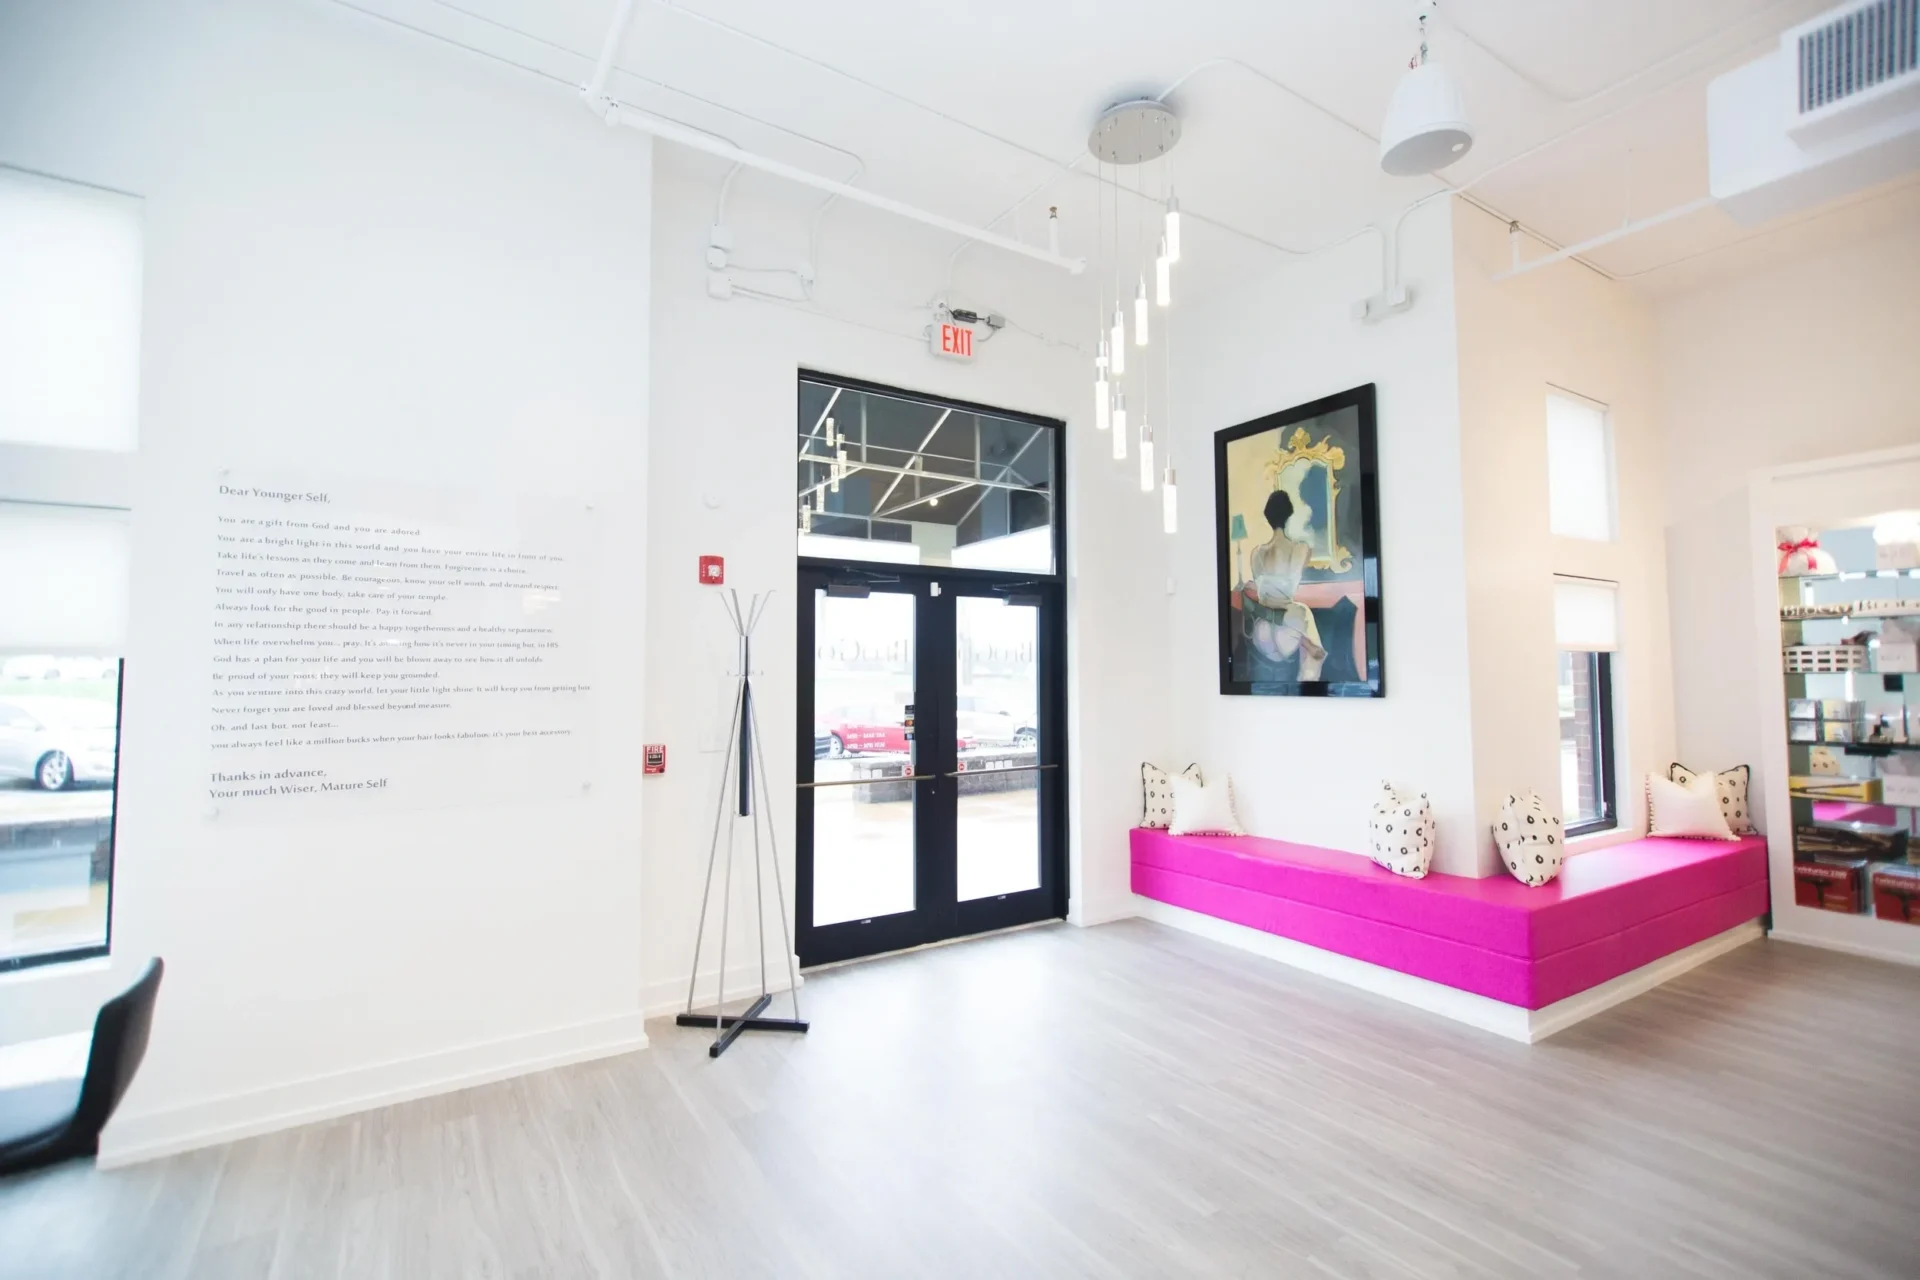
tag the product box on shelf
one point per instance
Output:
(1900, 788)
(1803, 708)
(1898, 649)
(1885, 727)
(1856, 790)
(1848, 709)
(1803, 731)
(1837, 731)
(1896, 893)
(1849, 840)
(1830, 884)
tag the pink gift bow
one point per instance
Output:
(1788, 548)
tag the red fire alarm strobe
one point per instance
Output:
(654, 757)
(713, 570)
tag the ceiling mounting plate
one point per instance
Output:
(1134, 132)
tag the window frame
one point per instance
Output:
(51, 475)
(1600, 680)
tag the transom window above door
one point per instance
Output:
(902, 479)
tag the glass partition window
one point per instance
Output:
(997, 694)
(888, 477)
(863, 747)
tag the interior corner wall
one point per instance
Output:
(1307, 769)
(1812, 358)
(723, 482)
(1560, 326)
(368, 255)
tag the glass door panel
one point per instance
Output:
(996, 716)
(864, 801)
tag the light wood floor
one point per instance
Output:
(1121, 1101)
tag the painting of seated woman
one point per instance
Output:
(1299, 537)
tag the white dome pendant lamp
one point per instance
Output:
(1427, 127)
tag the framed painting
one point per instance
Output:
(1297, 514)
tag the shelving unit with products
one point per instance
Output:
(1853, 730)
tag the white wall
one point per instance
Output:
(1567, 327)
(1810, 359)
(1307, 769)
(369, 255)
(724, 402)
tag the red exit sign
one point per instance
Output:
(953, 341)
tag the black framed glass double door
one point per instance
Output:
(930, 768)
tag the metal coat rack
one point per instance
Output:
(743, 790)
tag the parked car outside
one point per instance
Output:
(57, 742)
(864, 731)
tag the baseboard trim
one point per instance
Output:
(132, 1138)
(669, 995)
(1528, 1026)
(1844, 947)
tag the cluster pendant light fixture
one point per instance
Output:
(1132, 136)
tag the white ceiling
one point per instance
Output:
(1588, 112)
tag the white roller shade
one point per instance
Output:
(63, 580)
(1586, 615)
(1579, 469)
(70, 265)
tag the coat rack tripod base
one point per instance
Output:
(743, 765)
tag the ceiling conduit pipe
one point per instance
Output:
(1618, 233)
(672, 131)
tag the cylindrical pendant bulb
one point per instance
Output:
(1140, 315)
(832, 440)
(1146, 460)
(1119, 341)
(839, 469)
(1163, 277)
(1119, 425)
(1102, 402)
(1173, 230)
(1169, 504)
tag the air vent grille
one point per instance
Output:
(1866, 47)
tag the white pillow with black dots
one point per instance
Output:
(1529, 839)
(1400, 837)
(1156, 795)
(1731, 786)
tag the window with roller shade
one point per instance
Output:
(1580, 489)
(1586, 631)
(70, 298)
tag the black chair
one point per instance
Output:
(42, 1124)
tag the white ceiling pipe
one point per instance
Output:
(672, 131)
(596, 88)
(1620, 232)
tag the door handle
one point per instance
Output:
(982, 773)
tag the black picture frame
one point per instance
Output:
(1346, 421)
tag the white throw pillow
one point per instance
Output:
(1156, 795)
(1731, 787)
(1690, 809)
(1529, 840)
(1401, 835)
(1202, 810)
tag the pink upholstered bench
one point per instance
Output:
(1611, 911)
